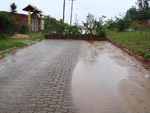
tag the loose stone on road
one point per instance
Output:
(61, 76)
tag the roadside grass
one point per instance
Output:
(7, 43)
(35, 36)
(133, 40)
(10, 43)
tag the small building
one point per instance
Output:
(35, 18)
(143, 23)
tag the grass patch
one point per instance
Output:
(133, 40)
(10, 43)
(35, 36)
(7, 43)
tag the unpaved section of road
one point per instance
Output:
(37, 78)
(107, 80)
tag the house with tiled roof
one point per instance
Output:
(34, 20)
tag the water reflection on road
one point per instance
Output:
(107, 80)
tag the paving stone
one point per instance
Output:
(48, 109)
(40, 112)
(48, 89)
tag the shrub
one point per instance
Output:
(73, 30)
(100, 32)
(60, 27)
(3, 36)
(23, 28)
(127, 21)
(110, 24)
(121, 25)
(5, 22)
(99, 27)
(80, 28)
(135, 26)
(50, 25)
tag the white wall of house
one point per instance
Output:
(42, 24)
(32, 25)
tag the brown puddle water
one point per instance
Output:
(107, 80)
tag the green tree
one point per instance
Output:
(120, 24)
(132, 13)
(144, 9)
(99, 27)
(110, 24)
(50, 25)
(13, 8)
(5, 22)
(144, 15)
(127, 21)
(123, 23)
(60, 27)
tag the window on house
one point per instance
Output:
(32, 26)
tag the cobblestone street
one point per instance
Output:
(37, 79)
(69, 76)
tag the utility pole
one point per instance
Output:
(64, 10)
(71, 12)
(76, 19)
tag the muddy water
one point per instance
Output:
(107, 80)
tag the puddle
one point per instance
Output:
(99, 81)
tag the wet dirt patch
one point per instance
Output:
(107, 80)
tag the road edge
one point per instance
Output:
(139, 57)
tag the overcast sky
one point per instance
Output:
(54, 8)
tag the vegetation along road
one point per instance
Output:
(60, 76)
